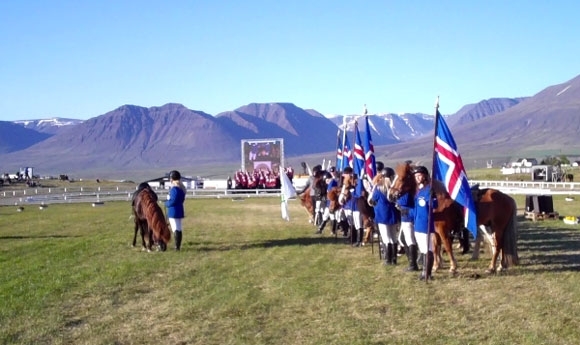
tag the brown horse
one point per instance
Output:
(307, 202)
(306, 199)
(368, 215)
(447, 217)
(496, 218)
(149, 219)
(332, 195)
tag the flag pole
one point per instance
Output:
(343, 142)
(337, 165)
(431, 191)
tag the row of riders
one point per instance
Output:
(395, 206)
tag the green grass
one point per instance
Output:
(68, 275)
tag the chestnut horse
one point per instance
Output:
(149, 219)
(447, 217)
(306, 199)
(496, 218)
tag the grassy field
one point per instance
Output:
(68, 275)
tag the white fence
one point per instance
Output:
(82, 194)
(76, 195)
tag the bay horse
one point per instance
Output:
(497, 221)
(149, 219)
(447, 217)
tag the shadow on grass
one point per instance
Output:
(299, 241)
(552, 249)
(20, 237)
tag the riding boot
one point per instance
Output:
(178, 236)
(321, 227)
(408, 253)
(421, 259)
(360, 234)
(345, 228)
(394, 258)
(354, 237)
(413, 252)
(334, 226)
(390, 254)
(428, 268)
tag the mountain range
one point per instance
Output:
(131, 138)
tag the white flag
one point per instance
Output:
(287, 192)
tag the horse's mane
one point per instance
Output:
(306, 200)
(383, 184)
(146, 202)
(348, 181)
(405, 179)
(332, 195)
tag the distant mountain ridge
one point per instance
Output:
(473, 112)
(51, 125)
(133, 138)
(14, 137)
(545, 124)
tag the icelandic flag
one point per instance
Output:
(448, 168)
(370, 164)
(338, 151)
(359, 154)
(347, 160)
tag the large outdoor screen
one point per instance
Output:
(262, 154)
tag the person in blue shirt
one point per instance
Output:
(346, 200)
(174, 205)
(406, 204)
(385, 216)
(424, 230)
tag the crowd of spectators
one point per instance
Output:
(259, 179)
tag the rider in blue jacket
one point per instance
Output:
(424, 228)
(174, 205)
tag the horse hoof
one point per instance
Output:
(490, 271)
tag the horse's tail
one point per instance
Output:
(510, 238)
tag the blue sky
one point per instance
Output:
(81, 59)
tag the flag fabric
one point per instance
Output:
(287, 192)
(359, 154)
(347, 160)
(338, 164)
(369, 149)
(448, 168)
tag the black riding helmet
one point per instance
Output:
(388, 172)
(316, 169)
(380, 165)
(175, 175)
(327, 175)
(420, 170)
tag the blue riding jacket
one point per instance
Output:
(421, 211)
(175, 203)
(407, 205)
(385, 212)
